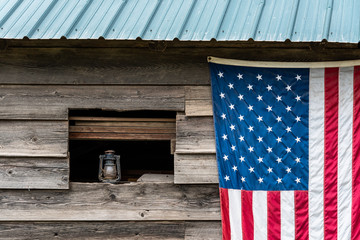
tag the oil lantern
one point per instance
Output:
(109, 167)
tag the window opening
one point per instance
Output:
(143, 139)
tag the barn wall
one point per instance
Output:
(37, 88)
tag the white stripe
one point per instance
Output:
(316, 154)
(345, 152)
(235, 214)
(287, 206)
(260, 215)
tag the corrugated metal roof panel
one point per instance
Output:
(186, 20)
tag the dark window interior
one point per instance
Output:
(136, 157)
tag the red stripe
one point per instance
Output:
(331, 152)
(355, 222)
(247, 217)
(274, 215)
(301, 215)
(225, 220)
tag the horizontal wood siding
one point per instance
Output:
(198, 101)
(34, 173)
(33, 138)
(53, 102)
(109, 202)
(174, 230)
(195, 168)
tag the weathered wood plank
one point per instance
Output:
(195, 169)
(135, 66)
(53, 102)
(109, 202)
(101, 66)
(33, 138)
(127, 124)
(198, 101)
(116, 119)
(101, 129)
(34, 173)
(120, 136)
(159, 178)
(134, 230)
(210, 230)
(195, 135)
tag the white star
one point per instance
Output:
(234, 168)
(288, 149)
(298, 98)
(297, 160)
(261, 180)
(233, 147)
(231, 86)
(279, 180)
(226, 157)
(298, 77)
(259, 98)
(241, 138)
(279, 98)
(260, 159)
(224, 137)
(297, 180)
(269, 129)
(242, 159)
(251, 149)
(221, 74)
(288, 88)
(251, 169)
(270, 170)
(269, 88)
(278, 160)
(243, 179)
(251, 128)
(278, 77)
(288, 170)
(288, 108)
(232, 106)
(288, 129)
(297, 119)
(241, 97)
(250, 87)
(259, 118)
(259, 77)
(232, 127)
(240, 76)
(223, 116)
(227, 178)
(297, 139)
(278, 119)
(250, 108)
(269, 108)
(222, 95)
(269, 149)
(278, 139)
(260, 139)
(241, 117)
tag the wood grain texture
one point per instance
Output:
(198, 101)
(195, 135)
(53, 102)
(34, 173)
(195, 169)
(143, 66)
(120, 136)
(108, 202)
(133, 230)
(33, 138)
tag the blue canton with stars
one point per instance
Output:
(261, 127)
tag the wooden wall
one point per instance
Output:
(37, 88)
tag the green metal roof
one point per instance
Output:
(186, 20)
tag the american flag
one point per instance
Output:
(288, 148)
